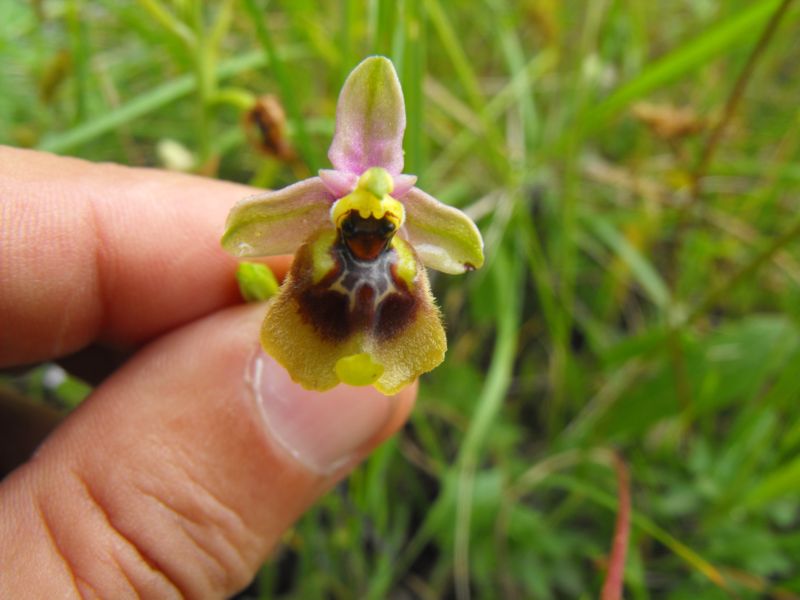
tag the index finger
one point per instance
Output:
(104, 252)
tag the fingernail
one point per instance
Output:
(322, 430)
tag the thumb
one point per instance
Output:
(180, 473)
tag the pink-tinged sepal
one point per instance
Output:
(278, 222)
(444, 237)
(370, 120)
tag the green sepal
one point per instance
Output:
(444, 237)
(277, 222)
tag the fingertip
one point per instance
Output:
(324, 431)
(194, 462)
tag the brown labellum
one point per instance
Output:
(363, 291)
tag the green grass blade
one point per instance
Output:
(413, 69)
(145, 104)
(78, 36)
(277, 62)
(781, 482)
(641, 268)
(507, 285)
(696, 53)
(385, 24)
(643, 523)
(169, 22)
(455, 51)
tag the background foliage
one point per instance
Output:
(633, 167)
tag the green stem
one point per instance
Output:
(284, 83)
(204, 73)
(413, 74)
(744, 272)
(169, 22)
(456, 53)
(712, 142)
(683, 216)
(221, 24)
(240, 98)
(565, 247)
(144, 104)
(385, 23)
(80, 57)
(469, 80)
(489, 404)
(346, 35)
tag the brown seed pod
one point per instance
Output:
(265, 126)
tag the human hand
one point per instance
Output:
(179, 474)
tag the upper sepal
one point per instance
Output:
(370, 119)
(444, 237)
(277, 222)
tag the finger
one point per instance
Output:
(180, 473)
(100, 251)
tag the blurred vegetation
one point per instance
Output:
(633, 166)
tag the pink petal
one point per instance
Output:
(339, 183)
(402, 185)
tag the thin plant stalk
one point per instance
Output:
(290, 100)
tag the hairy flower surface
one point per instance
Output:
(356, 306)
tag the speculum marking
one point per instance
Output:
(358, 295)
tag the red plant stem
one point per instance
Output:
(612, 587)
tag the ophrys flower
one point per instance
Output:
(356, 306)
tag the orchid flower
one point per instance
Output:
(356, 306)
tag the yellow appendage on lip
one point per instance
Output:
(371, 198)
(358, 369)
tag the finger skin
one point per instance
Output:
(165, 482)
(105, 252)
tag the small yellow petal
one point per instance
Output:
(358, 369)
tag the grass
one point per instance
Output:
(641, 297)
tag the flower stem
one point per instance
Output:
(169, 22)
(205, 73)
(745, 271)
(284, 83)
(507, 280)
